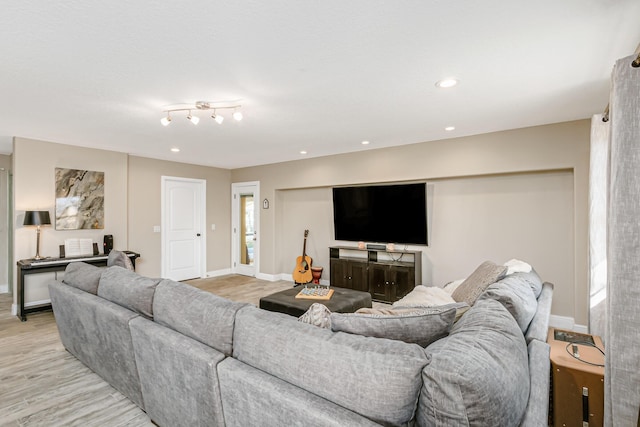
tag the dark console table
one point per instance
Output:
(386, 275)
(33, 266)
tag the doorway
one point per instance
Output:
(245, 214)
(183, 228)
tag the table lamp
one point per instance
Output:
(37, 218)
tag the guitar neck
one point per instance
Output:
(304, 244)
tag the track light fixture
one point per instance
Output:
(218, 118)
(166, 120)
(203, 105)
(194, 119)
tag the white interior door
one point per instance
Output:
(183, 228)
(244, 231)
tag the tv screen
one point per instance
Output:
(381, 213)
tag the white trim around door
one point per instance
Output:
(183, 228)
(245, 229)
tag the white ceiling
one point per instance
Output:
(319, 76)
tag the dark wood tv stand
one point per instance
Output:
(386, 275)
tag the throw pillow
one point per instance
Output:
(479, 375)
(83, 276)
(412, 325)
(515, 294)
(429, 296)
(517, 266)
(120, 259)
(473, 286)
(425, 296)
(128, 289)
(452, 286)
(317, 315)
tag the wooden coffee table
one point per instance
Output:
(343, 301)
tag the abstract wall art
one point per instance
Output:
(79, 199)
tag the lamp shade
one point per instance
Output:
(36, 218)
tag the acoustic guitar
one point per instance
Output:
(302, 272)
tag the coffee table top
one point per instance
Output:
(343, 301)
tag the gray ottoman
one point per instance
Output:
(342, 301)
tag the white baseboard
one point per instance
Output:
(568, 323)
(286, 276)
(4, 289)
(218, 273)
(14, 307)
(269, 277)
(261, 276)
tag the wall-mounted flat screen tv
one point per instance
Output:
(381, 213)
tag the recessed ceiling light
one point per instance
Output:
(175, 150)
(450, 128)
(303, 152)
(446, 83)
(365, 143)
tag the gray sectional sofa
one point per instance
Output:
(190, 358)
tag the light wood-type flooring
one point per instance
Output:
(41, 384)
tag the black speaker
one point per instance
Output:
(108, 243)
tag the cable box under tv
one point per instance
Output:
(376, 246)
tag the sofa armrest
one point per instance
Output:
(539, 326)
(537, 412)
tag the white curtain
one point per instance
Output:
(622, 360)
(598, 189)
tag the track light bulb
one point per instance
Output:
(218, 119)
(237, 115)
(194, 119)
(166, 120)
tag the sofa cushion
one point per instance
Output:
(515, 294)
(250, 398)
(533, 279)
(473, 286)
(83, 276)
(195, 313)
(377, 378)
(128, 289)
(479, 374)
(421, 326)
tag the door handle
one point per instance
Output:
(198, 235)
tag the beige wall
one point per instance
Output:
(132, 204)
(34, 164)
(528, 169)
(144, 210)
(537, 171)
